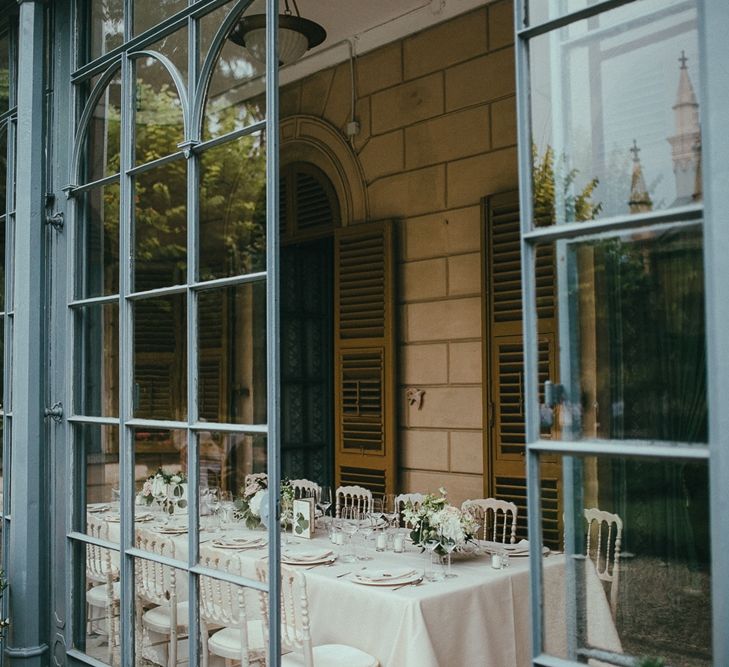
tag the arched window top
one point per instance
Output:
(308, 203)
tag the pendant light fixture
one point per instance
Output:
(296, 35)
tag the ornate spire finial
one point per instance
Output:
(683, 60)
(635, 150)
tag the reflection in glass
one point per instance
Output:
(161, 592)
(160, 362)
(97, 368)
(637, 349)
(102, 142)
(614, 111)
(105, 27)
(158, 115)
(236, 94)
(4, 73)
(3, 170)
(98, 448)
(98, 636)
(2, 487)
(651, 592)
(232, 354)
(174, 46)
(149, 14)
(160, 226)
(233, 208)
(3, 228)
(98, 242)
(226, 461)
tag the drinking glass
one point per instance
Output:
(212, 502)
(448, 546)
(324, 502)
(389, 508)
(350, 526)
(431, 574)
(366, 525)
(226, 507)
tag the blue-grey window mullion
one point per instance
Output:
(272, 333)
(193, 458)
(126, 363)
(714, 50)
(531, 377)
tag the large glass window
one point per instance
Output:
(169, 306)
(610, 155)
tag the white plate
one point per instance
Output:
(395, 581)
(518, 550)
(95, 509)
(238, 544)
(115, 518)
(291, 559)
(171, 530)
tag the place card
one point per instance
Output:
(304, 517)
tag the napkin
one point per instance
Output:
(93, 509)
(305, 556)
(386, 575)
(242, 542)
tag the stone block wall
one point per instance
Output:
(438, 133)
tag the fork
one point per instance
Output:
(417, 582)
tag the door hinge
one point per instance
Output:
(55, 412)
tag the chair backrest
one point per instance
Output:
(99, 565)
(497, 518)
(353, 496)
(304, 488)
(295, 624)
(602, 547)
(401, 499)
(155, 583)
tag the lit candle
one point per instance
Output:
(496, 561)
(398, 543)
(381, 541)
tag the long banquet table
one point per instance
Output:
(480, 617)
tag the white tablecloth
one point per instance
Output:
(481, 617)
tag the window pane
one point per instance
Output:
(97, 366)
(226, 461)
(615, 103)
(636, 365)
(174, 46)
(160, 227)
(101, 153)
(97, 258)
(106, 26)
(232, 354)
(4, 73)
(233, 208)
(160, 358)
(149, 14)
(158, 114)
(3, 171)
(645, 588)
(236, 95)
(97, 449)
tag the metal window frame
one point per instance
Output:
(192, 90)
(713, 26)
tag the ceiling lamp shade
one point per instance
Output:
(296, 35)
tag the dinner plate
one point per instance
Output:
(308, 558)
(517, 550)
(115, 518)
(95, 509)
(238, 543)
(380, 578)
(171, 530)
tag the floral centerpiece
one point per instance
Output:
(435, 519)
(165, 488)
(249, 506)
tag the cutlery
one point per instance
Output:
(417, 582)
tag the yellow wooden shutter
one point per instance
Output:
(364, 348)
(505, 425)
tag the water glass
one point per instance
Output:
(431, 574)
(324, 502)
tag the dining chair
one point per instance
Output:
(296, 644)
(402, 499)
(102, 571)
(495, 517)
(156, 600)
(304, 488)
(353, 496)
(600, 544)
(227, 629)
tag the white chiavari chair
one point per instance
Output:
(356, 497)
(157, 608)
(304, 488)
(296, 643)
(103, 571)
(497, 518)
(402, 499)
(603, 548)
(225, 624)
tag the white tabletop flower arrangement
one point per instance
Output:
(252, 504)
(167, 489)
(435, 520)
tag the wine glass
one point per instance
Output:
(390, 509)
(212, 502)
(324, 502)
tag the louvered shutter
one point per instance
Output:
(364, 347)
(505, 363)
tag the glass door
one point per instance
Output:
(610, 97)
(172, 316)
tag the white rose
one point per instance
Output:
(254, 504)
(158, 486)
(176, 479)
